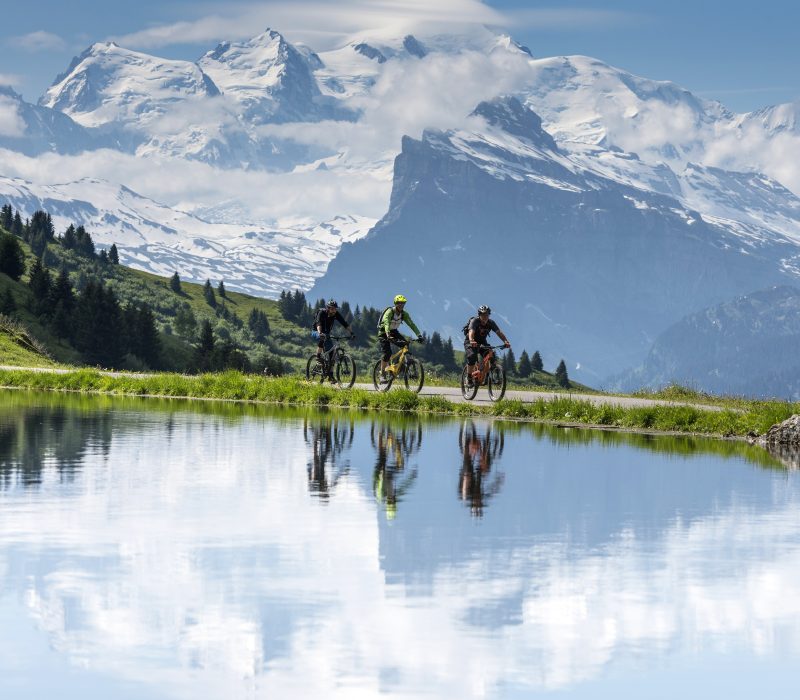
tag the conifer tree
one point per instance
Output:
(185, 322)
(7, 304)
(561, 375)
(536, 362)
(175, 283)
(69, 240)
(510, 363)
(12, 257)
(204, 352)
(221, 289)
(40, 282)
(208, 293)
(113, 254)
(62, 301)
(17, 227)
(6, 217)
(103, 257)
(524, 367)
(149, 341)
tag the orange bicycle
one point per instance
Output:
(489, 373)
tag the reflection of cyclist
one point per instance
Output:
(478, 454)
(390, 481)
(328, 441)
(391, 319)
(323, 323)
(478, 330)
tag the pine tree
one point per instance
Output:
(6, 217)
(40, 282)
(113, 254)
(561, 375)
(524, 368)
(536, 362)
(149, 340)
(99, 326)
(62, 301)
(175, 283)
(259, 325)
(221, 289)
(103, 257)
(208, 293)
(84, 245)
(12, 257)
(69, 240)
(204, 352)
(7, 304)
(17, 227)
(510, 363)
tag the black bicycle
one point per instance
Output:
(334, 363)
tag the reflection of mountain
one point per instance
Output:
(187, 556)
(33, 437)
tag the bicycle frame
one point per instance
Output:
(485, 363)
(395, 367)
(328, 357)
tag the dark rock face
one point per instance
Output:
(574, 265)
(747, 346)
(782, 441)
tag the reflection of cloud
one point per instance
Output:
(197, 562)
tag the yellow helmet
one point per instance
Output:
(400, 299)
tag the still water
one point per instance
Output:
(186, 550)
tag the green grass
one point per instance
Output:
(18, 348)
(234, 386)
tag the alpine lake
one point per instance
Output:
(175, 549)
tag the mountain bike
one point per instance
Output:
(401, 363)
(489, 372)
(334, 363)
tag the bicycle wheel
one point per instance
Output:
(315, 369)
(414, 375)
(497, 383)
(376, 378)
(468, 390)
(345, 371)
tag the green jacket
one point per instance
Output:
(386, 322)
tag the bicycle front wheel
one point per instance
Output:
(315, 369)
(414, 375)
(468, 389)
(345, 371)
(497, 383)
(381, 381)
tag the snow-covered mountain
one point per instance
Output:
(575, 264)
(643, 170)
(150, 236)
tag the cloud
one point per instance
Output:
(312, 20)
(38, 41)
(9, 80)
(11, 122)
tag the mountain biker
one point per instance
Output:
(478, 329)
(323, 323)
(391, 319)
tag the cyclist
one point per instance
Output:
(477, 330)
(391, 319)
(323, 323)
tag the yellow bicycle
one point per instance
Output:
(402, 363)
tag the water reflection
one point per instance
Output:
(328, 440)
(392, 476)
(480, 447)
(183, 557)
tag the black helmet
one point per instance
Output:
(483, 309)
(332, 304)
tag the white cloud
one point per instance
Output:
(9, 80)
(571, 18)
(38, 41)
(313, 21)
(11, 123)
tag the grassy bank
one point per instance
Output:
(233, 386)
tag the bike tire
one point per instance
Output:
(376, 378)
(414, 375)
(345, 371)
(315, 370)
(497, 383)
(467, 391)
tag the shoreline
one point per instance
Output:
(564, 412)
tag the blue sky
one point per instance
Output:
(744, 54)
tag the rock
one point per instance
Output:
(782, 441)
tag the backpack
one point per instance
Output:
(465, 329)
(380, 318)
